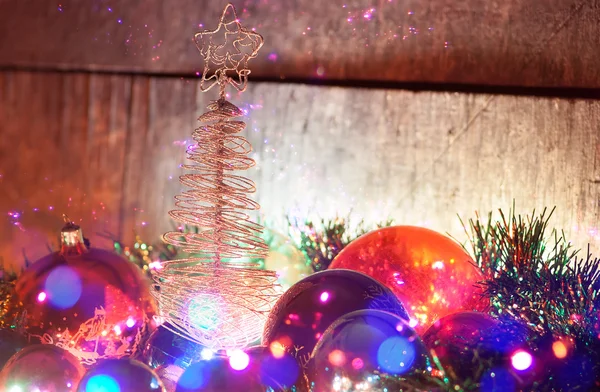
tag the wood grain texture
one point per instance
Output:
(551, 43)
(106, 150)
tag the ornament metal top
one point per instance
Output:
(220, 299)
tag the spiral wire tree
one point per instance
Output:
(219, 300)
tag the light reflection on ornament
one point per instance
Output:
(277, 350)
(324, 296)
(63, 286)
(358, 363)
(102, 383)
(396, 277)
(41, 297)
(337, 358)
(396, 355)
(521, 360)
(438, 265)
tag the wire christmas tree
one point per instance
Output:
(218, 300)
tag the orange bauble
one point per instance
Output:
(430, 273)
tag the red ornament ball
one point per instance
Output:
(430, 273)
(91, 302)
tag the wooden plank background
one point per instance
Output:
(550, 43)
(105, 149)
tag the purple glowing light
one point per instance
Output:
(521, 360)
(324, 296)
(130, 323)
(42, 297)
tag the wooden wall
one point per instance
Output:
(98, 100)
(105, 149)
(552, 43)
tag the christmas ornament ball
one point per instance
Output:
(221, 373)
(121, 375)
(286, 259)
(459, 339)
(367, 350)
(429, 272)
(90, 301)
(279, 371)
(164, 347)
(303, 313)
(41, 367)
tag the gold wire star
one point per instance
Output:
(220, 58)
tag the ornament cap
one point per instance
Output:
(72, 242)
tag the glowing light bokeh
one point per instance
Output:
(396, 355)
(239, 360)
(102, 383)
(41, 297)
(497, 379)
(560, 349)
(63, 287)
(337, 358)
(324, 296)
(276, 372)
(130, 323)
(277, 350)
(521, 360)
(358, 363)
(207, 354)
(195, 377)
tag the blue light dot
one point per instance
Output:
(102, 383)
(396, 355)
(194, 377)
(276, 372)
(63, 287)
(497, 380)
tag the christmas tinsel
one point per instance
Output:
(321, 240)
(535, 277)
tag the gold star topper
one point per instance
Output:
(229, 55)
